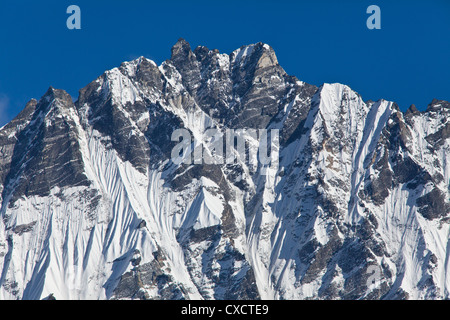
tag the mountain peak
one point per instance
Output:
(182, 49)
(53, 93)
(437, 104)
(263, 52)
(412, 110)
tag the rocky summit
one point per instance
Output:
(93, 207)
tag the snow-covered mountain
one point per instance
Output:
(93, 207)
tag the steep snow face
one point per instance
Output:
(418, 204)
(94, 208)
(307, 210)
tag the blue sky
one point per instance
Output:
(407, 61)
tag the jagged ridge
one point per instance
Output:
(92, 207)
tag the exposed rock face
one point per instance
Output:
(94, 207)
(48, 144)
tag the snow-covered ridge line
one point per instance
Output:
(93, 207)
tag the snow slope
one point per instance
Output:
(93, 207)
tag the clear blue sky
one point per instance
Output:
(407, 61)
